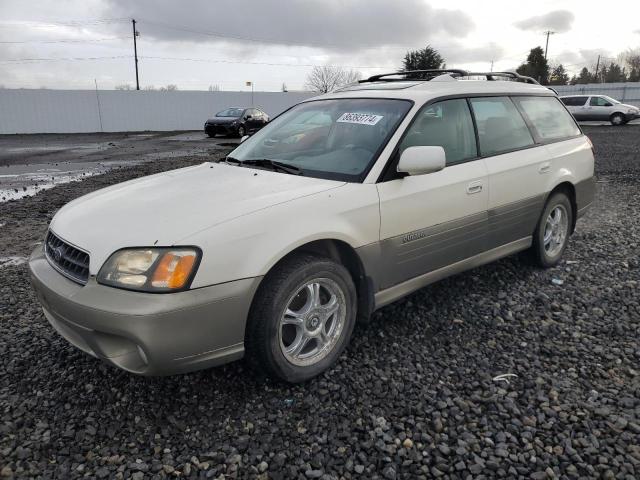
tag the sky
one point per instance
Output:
(194, 44)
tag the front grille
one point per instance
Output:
(67, 259)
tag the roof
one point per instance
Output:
(421, 91)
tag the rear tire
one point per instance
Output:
(553, 230)
(211, 135)
(617, 119)
(301, 318)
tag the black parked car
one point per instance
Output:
(236, 121)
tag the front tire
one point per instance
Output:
(552, 233)
(241, 131)
(617, 119)
(301, 318)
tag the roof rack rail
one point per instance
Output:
(514, 75)
(456, 72)
(414, 75)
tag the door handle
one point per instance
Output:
(544, 168)
(474, 187)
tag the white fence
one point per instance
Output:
(625, 92)
(87, 111)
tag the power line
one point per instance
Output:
(68, 23)
(15, 61)
(68, 40)
(263, 40)
(275, 64)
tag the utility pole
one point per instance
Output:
(597, 67)
(546, 47)
(491, 66)
(135, 51)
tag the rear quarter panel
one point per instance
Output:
(572, 161)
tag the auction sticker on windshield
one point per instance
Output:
(360, 118)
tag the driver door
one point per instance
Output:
(434, 220)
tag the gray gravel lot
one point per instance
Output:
(414, 396)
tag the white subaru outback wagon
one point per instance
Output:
(339, 206)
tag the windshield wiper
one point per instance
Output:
(274, 165)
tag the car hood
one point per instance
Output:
(162, 209)
(633, 107)
(223, 120)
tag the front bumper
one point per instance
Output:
(146, 333)
(224, 129)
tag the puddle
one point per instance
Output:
(12, 261)
(20, 181)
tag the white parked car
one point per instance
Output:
(339, 206)
(600, 107)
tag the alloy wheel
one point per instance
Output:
(555, 230)
(312, 322)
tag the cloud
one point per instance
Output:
(325, 24)
(558, 20)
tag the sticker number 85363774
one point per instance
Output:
(359, 118)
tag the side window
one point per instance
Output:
(500, 125)
(597, 102)
(574, 101)
(447, 124)
(549, 118)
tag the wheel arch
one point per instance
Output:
(343, 253)
(568, 189)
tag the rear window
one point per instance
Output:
(501, 128)
(549, 118)
(574, 101)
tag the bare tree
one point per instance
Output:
(169, 88)
(284, 87)
(123, 86)
(328, 78)
(149, 88)
(215, 88)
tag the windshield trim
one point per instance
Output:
(326, 175)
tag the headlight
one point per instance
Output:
(151, 269)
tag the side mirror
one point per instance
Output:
(247, 117)
(244, 138)
(608, 104)
(421, 160)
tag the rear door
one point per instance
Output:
(577, 106)
(516, 169)
(431, 221)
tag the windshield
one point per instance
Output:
(230, 112)
(334, 139)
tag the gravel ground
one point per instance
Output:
(414, 396)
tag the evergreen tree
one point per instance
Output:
(536, 66)
(585, 76)
(559, 76)
(424, 59)
(614, 74)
